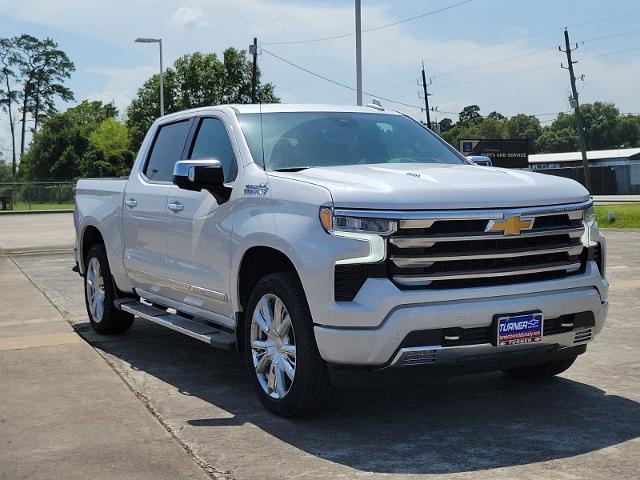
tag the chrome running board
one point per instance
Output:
(193, 328)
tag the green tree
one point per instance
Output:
(469, 115)
(601, 125)
(108, 153)
(196, 80)
(445, 124)
(73, 144)
(628, 131)
(8, 92)
(523, 126)
(43, 70)
(5, 171)
(553, 140)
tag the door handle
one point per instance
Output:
(176, 206)
(131, 202)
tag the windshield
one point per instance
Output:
(296, 140)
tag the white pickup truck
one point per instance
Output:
(318, 238)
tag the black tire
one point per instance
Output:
(310, 389)
(112, 320)
(542, 371)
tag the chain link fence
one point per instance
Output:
(21, 196)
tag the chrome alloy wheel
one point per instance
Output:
(273, 346)
(94, 285)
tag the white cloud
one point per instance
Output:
(120, 84)
(121, 100)
(188, 17)
(391, 56)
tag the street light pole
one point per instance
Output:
(159, 42)
(358, 53)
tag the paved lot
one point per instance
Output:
(583, 425)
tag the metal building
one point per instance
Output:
(612, 172)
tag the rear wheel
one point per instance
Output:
(100, 292)
(544, 370)
(289, 375)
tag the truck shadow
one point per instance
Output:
(461, 424)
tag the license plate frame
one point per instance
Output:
(518, 328)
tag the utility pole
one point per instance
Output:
(576, 105)
(253, 50)
(358, 53)
(426, 96)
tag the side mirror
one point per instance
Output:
(197, 175)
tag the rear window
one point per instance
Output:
(167, 150)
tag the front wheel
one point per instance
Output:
(289, 375)
(100, 293)
(544, 370)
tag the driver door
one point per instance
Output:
(199, 229)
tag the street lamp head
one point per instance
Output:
(147, 40)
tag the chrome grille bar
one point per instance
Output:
(424, 241)
(422, 280)
(426, 261)
(573, 210)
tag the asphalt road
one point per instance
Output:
(585, 424)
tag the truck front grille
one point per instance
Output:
(464, 251)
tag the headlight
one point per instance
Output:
(340, 223)
(588, 216)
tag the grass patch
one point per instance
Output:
(626, 215)
(42, 206)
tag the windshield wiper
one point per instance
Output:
(291, 169)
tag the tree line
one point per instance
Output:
(91, 140)
(605, 128)
(94, 139)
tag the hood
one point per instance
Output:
(437, 186)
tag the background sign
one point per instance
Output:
(503, 153)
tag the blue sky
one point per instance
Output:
(499, 54)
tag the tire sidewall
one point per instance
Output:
(113, 320)
(281, 286)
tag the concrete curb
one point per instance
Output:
(27, 212)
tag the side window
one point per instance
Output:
(212, 141)
(166, 150)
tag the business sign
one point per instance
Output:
(512, 153)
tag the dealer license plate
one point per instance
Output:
(521, 328)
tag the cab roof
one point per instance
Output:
(280, 108)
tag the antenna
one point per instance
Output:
(264, 166)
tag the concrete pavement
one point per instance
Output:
(36, 231)
(585, 424)
(64, 413)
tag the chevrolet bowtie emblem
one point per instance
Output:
(510, 225)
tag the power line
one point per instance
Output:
(533, 54)
(335, 82)
(539, 34)
(540, 67)
(386, 99)
(372, 29)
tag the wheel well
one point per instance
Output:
(91, 237)
(256, 264)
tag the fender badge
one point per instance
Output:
(256, 190)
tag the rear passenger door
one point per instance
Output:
(145, 209)
(199, 229)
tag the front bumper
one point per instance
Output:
(381, 345)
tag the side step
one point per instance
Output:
(196, 329)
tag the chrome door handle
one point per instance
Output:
(131, 202)
(176, 206)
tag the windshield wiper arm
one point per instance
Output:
(291, 169)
